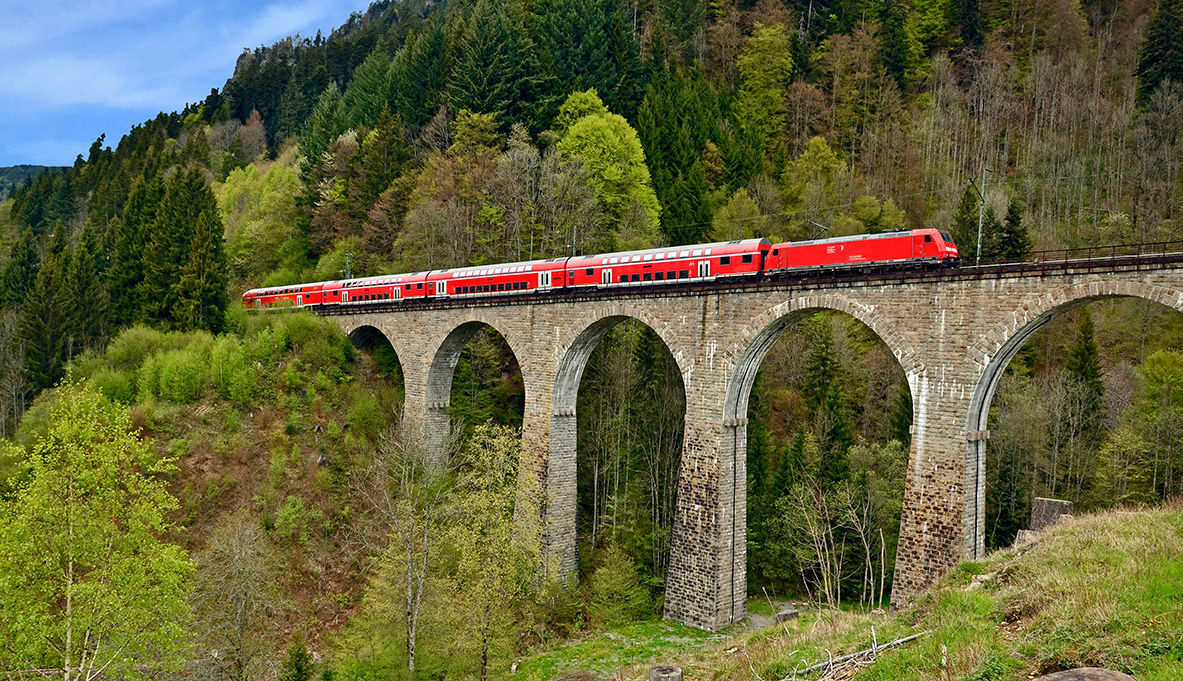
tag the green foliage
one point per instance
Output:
(366, 417)
(610, 149)
(616, 594)
(765, 68)
(1161, 55)
(298, 665)
(261, 215)
(294, 522)
(89, 585)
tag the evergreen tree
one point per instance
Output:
(1084, 365)
(384, 156)
(823, 369)
(965, 226)
(765, 68)
(969, 18)
(20, 272)
(366, 96)
(419, 75)
(1013, 243)
(834, 438)
(292, 108)
(128, 238)
(1161, 57)
(200, 291)
(86, 295)
(326, 124)
(186, 210)
(43, 325)
(895, 48)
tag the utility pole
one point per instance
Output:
(981, 211)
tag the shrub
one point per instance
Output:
(182, 376)
(365, 417)
(617, 594)
(293, 519)
(133, 346)
(115, 384)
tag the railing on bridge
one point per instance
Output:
(1088, 256)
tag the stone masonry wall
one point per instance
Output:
(952, 335)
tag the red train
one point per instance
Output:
(750, 258)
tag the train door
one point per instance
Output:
(398, 292)
(607, 277)
(345, 296)
(704, 268)
(299, 300)
(544, 279)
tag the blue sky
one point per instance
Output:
(71, 70)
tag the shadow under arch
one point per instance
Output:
(562, 469)
(995, 349)
(389, 364)
(440, 373)
(747, 356)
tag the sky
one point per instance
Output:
(71, 70)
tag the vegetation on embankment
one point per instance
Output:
(1101, 590)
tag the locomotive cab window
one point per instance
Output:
(927, 238)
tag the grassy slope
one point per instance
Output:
(1102, 590)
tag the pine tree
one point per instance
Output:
(86, 295)
(1013, 243)
(1084, 365)
(1161, 57)
(366, 96)
(128, 237)
(324, 126)
(419, 75)
(20, 272)
(969, 18)
(834, 438)
(43, 325)
(965, 226)
(384, 156)
(200, 291)
(823, 369)
(895, 48)
(187, 207)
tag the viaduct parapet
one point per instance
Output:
(953, 333)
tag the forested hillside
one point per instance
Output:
(425, 135)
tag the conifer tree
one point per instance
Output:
(186, 210)
(419, 75)
(384, 156)
(43, 325)
(895, 49)
(1084, 365)
(20, 272)
(86, 295)
(367, 93)
(969, 18)
(128, 236)
(200, 291)
(324, 126)
(965, 226)
(1161, 57)
(1013, 242)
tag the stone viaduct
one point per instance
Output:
(952, 332)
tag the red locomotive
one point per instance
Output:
(749, 258)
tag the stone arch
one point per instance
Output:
(993, 351)
(743, 359)
(437, 422)
(756, 338)
(364, 335)
(571, 360)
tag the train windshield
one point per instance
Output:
(946, 236)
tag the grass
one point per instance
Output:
(1102, 590)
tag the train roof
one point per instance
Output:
(718, 245)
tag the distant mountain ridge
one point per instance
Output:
(12, 176)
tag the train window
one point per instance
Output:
(775, 251)
(636, 258)
(500, 287)
(747, 258)
(648, 257)
(623, 278)
(636, 277)
(660, 256)
(683, 254)
(590, 271)
(419, 285)
(648, 277)
(927, 238)
(725, 260)
(683, 274)
(697, 252)
(602, 262)
(613, 261)
(671, 275)
(946, 236)
(707, 251)
(659, 276)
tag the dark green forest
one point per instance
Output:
(421, 135)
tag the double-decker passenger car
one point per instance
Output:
(486, 280)
(704, 261)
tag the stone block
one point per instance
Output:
(1047, 512)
